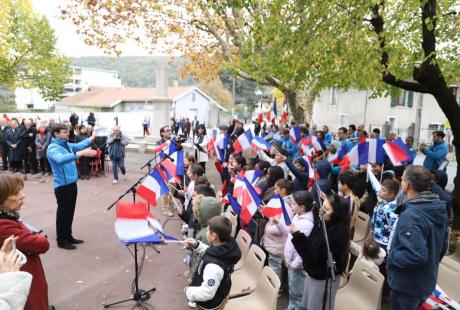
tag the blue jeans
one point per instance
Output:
(275, 262)
(296, 284)
(401, 301)
(118, 163)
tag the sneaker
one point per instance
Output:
(114, 182)
(125, 176)
(192, 304)
(170, 214)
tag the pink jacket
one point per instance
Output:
(304, 223)
(275, 236)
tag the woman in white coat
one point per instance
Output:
(200, 145)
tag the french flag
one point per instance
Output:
(212, 140)
(371, 151)
(152, 187)
(275, 113)
(238, 186)
(376, 151)
(253, 175)
(318, 144)
(275, 207)
(219, 146)
(284, 115)
(171, 171)
(308, 159)
(339, 155)
(178, 157)
(243, 142)
(234, 204)
(363, 151)
(162, 147)
(294, 134)
(259, 143)
(133, 224)
(397, 151)
(351, 158)
(305, 145)
(149, 127)
(260, 119)
(250, 202)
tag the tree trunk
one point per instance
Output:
(295, 110)
(451, 109)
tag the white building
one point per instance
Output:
(177, 102)
(82, 79)
(337, 108)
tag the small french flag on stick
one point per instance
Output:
(294, 134)
(397, 151)
(243, 142)
(250, 202)
(259, 143)
(274, 207)
(284, 115)
(152, 187)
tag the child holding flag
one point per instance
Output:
(276, 230)
(304, 219)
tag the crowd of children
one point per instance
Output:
(293, 239)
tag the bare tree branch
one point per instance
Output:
(388, 77)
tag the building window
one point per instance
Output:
(193, 97)
(30, 106)
(333, 96)
(343, 120)
(435, 126)
(402, 98)
(392, 120)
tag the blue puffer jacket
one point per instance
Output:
(418, 244)
(61, 155)
(435, 155)
(291, 148)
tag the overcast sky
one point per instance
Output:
(68, 42)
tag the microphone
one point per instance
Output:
(167, 156)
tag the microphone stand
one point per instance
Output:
(138, 295)
(330, 259)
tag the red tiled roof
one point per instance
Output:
(106, 97)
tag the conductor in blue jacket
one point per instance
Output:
(62, 156)
(436, 154)
(418, 241)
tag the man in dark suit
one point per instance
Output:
(3, 145)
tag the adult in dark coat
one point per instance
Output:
(29, 242)
(91, 119)
(3, 146)
(73, 119)
(27, 144)
(13, 139)
(101, 146)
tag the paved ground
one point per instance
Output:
(101, 270)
